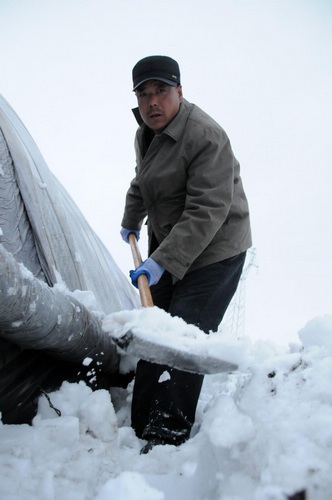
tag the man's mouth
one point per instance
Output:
(155, 115)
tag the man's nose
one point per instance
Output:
(153, 99)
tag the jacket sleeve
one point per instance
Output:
(134, 211)
(209, 197)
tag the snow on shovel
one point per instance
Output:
(152, 334)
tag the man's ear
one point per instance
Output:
(179, 91)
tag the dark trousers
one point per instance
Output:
(165, 399)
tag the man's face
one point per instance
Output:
(158, 104)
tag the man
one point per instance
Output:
(188, 184)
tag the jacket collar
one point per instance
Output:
(174, 129)
(138, 117)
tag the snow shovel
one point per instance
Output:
(193, 354)
(142, 280)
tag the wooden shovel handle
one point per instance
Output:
(142, 280)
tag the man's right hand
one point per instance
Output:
(126, 232)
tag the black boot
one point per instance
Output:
(151, 444)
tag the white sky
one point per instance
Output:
(261, 68)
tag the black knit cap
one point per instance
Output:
(162, 68)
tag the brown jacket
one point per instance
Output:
(188, 184)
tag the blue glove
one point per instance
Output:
(126, 232)
(151, 269)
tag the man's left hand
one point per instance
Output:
(151, 269)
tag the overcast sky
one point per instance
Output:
(261, 68)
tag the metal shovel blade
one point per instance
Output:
(134, 345)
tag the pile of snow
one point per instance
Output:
(263, 432)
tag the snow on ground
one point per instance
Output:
(262, 433)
